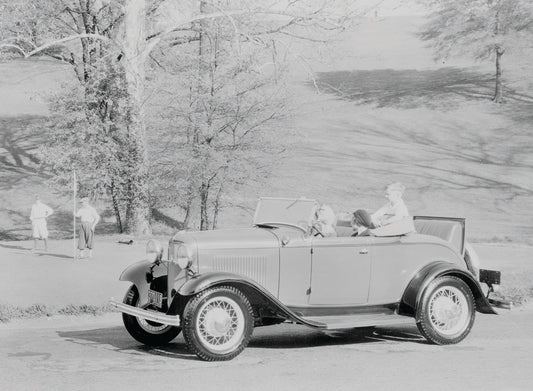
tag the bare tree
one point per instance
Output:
(228, 106)
(125, 35)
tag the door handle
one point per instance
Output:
(363, 251)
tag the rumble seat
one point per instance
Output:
(445, 229)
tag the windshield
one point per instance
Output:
(296, 211)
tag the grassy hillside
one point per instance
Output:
(457, 153)
(385, 113)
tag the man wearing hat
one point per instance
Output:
(89, 218)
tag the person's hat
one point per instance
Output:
(396, 186)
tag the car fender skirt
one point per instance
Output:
(248, 286)
(413, 294)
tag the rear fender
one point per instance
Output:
(416, 288)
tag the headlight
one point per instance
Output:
(154, 250)
(183, 256)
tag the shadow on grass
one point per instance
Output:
(414, 88)
(20, 138)
(13, 247)
(37, 253)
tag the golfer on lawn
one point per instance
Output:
(89, 218)
(39, 213)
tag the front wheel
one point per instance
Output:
(146, 331)
(218, 323)
(446, 312)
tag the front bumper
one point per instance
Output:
(154, 316)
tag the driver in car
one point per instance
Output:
(325, 220)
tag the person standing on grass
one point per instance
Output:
(89, 218)
(38, 216)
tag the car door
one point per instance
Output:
(340, 270)
(294, 270)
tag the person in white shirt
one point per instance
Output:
(89, 218)
(38, 215)
(394, 210)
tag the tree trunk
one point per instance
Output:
(138, 208)
(188, 207)
(498, 92)
(116, 208)
(204, 205)
(216, 207)
(203, 74)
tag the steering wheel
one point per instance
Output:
(318, 232)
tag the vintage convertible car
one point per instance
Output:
(218, 285)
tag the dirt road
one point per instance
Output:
(97, 354)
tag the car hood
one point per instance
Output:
(230, 238)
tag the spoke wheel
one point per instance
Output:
(447, 311)
(146, 331)
(218, 323)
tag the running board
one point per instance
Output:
(359, 320)
(154, 316)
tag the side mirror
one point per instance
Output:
(285, 240)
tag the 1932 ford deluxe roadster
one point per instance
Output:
(218, 285)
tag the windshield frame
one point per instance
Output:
(304, 222)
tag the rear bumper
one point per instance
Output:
(490, 277)
(493, 279)
(154, 316)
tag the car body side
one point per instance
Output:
(296, 275)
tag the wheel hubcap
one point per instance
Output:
(220, 324)
(448, 310)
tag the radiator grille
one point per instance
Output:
(254, 267)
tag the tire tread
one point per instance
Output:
(135, 330)
(427, 331)
(188, 325)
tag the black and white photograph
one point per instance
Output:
(266, 195)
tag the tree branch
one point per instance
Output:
(13, 46)
(56, 43)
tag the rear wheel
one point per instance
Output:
(446, 312)
(218, 323)
(146, 331)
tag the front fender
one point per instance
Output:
(416, 288)
(207, 280)
(136, 274)
(248, 286)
